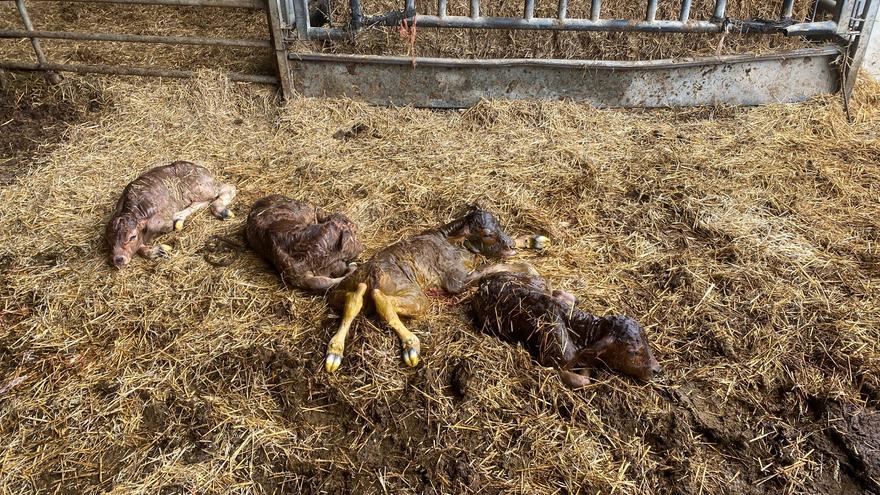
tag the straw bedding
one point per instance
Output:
(745, 240)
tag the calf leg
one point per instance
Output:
(157, 251)
(386, 307)
(220, 205)
(354, 301)
(183, 214)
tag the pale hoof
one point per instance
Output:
(351, 267)
(164, 251)
(411, 352)
(332, 362)
(178, 224)
(226, 214)
(411, 357)
(540, 242)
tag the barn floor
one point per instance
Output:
(746, 241)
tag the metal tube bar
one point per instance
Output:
(827, 5)
(134, 38)
(26, 20)
(130, 71)
(651, 14)
(409, 8)
(475, 9)
(685, 11)
(859, 46)
(720, 7)
(811, 28)
(546, 23)
(357, 13)
(595, 10)
(239, 4)
(787, 8)
(529, 10)
(562, 10)
(829, 50)
(282, 63)
(441, 8)
(842, 12)
(35, 42)
(301, 8)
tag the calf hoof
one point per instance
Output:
(538, 242)
(351, 267)
(178, 224)
(411, 352)
(163, 251)
(226, 214)
(332, 362)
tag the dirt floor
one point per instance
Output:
(745, 240)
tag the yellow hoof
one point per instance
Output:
(332, 362)
(178, 224)
(540, 242)
(411, 357)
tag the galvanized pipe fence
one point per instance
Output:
(51, 68)
(843, 25)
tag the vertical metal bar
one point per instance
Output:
(595, 10)
(562, 10)
(651, 14)
(288, 19)
(842, 15)
(410, 8)
(475, 9)
(441, 8)
(859, 45)
(529, 11)
(53, 77)
(301, 8)
(685, 10)
(273, 18)
(357, 14)
(720, 6)
(787, 8)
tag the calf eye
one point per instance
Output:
(132, 237)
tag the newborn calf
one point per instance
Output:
(159, 201)
(520, 308)
(310, 247)
(398, 276)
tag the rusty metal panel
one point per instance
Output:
(454, 83)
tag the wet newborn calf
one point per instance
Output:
(398, 276)
(310, 247)
(159, 201)
(520, 308)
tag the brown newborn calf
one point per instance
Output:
(398, 276)
(520, 308)
(159, 201)
(310, 247)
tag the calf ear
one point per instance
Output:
(591, 354)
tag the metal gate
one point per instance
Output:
(840, 30)
(274, 41)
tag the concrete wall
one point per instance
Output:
(872, 58)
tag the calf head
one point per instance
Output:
(124, 239)
(484, 235)
(622, 346)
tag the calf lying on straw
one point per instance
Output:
(520, 308)
(398, 276)
(159, 201)
(310, 247)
